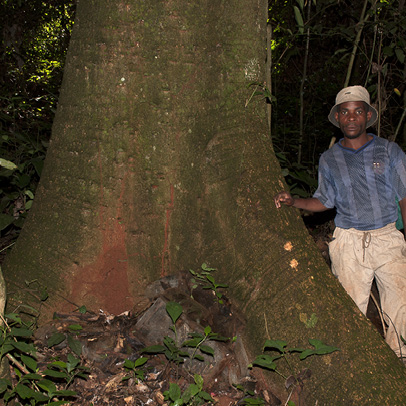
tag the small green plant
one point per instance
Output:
(174, 352)
(262, 91)
(59, 337)
(193, 394)
(170, 348)
(197, 342)
(67, 371)
(174, 310)
(205, 279)
(268, 362)
(82, 309)
(32, 386)
(135, 368)
(249, 398)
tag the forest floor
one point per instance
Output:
(110, 343)
(112, 349)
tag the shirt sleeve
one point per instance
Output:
(325, 192)
(398, 158)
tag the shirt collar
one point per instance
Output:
(356, 151)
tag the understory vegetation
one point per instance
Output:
(39, 380)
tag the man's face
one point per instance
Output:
(352, 118)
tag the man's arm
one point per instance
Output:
(310, 204)
(402, 204)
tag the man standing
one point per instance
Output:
(362, 176)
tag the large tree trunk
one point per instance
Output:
(157, 165)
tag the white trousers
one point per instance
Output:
(357, 257)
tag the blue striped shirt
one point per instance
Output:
(363, 184)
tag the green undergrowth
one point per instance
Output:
(278, 350)
(193, 348)
(177, 352)
(30, 382)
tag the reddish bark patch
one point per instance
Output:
(104, 283)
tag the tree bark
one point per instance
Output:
(156, 166)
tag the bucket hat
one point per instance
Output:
(353, 93)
